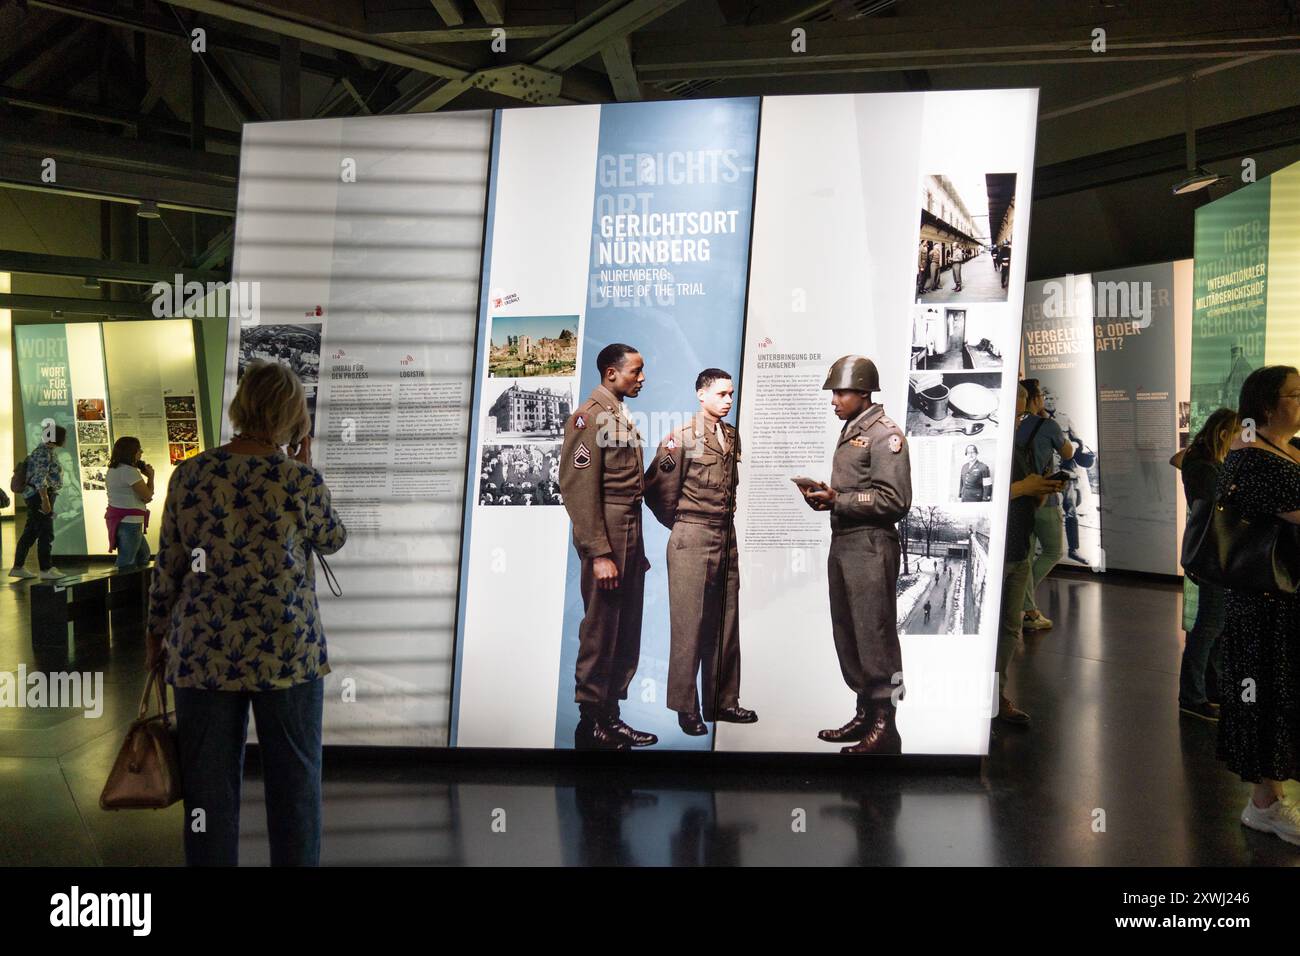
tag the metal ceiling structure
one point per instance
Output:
(133, 109)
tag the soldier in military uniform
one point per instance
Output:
(976, 480)
(870, 490)
(601, 470)
(691, 488)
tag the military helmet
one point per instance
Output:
(855, 372)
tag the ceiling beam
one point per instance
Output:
(310, 30)
(590, 36)
(111, 308)
(617, 57)
(425, 27)
(562, 52)
(96, 166)
(876, 44)
(450, 11)
(107, 114)
(80, 267)
(108, 13)
(1222, 142)
(492, 11)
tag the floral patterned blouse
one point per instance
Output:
(248, 621)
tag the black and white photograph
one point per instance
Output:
(92, 433)
(957, 338)
(521, 475)
(943, 570)
(93, 479)
(297, 346)
(1184, 424)
(179, 406)
(528, 410)
(182, 429)
(971, 469)
(952, 403)
(93, 456)
(963, 251)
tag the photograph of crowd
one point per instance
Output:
(955, 339)
(529, 346)
(182, 429)
(93, 456)
(944, 563)
(297, 346)
(90, 409)
(963, 251)
(92, 433)
(520, 475)
(179, 406)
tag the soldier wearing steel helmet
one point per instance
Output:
(869, 492)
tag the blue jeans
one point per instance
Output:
(37, 530)
(212, 729)
(132, 546)
(1199, 652)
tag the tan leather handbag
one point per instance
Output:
(146, 774)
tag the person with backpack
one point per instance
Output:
(41, 477)
(1028, 492)
(1045, 439)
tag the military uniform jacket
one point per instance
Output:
(601, 466)
(692, 475)
(976, 482)
(871, 474)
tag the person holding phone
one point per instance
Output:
(233, 615)
(1044, 438)
(1029, 489)
(130, 488)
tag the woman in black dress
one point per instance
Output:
(1259, 733)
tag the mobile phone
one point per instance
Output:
(1061, 476)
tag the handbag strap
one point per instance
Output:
(330, 579)
(156, 683)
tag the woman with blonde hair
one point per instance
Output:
(233, 612)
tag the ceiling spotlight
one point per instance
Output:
(148, 209)
(90, 282)
(1200, 178)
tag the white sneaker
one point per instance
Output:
(1040, 623)
(1282, 819)
(21, 573)
(53, 574)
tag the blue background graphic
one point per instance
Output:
(678, 338)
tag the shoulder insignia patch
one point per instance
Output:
(581, 455)
(580, 422)
(667, 463)
(671, 443)
(895, 443)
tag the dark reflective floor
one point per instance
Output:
(1107, 736)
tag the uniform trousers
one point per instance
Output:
(862, 568)
(704, 612)
(609, 638)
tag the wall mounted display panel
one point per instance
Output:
(364, 238)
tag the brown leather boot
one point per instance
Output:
(881, 735)
(853, 730)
